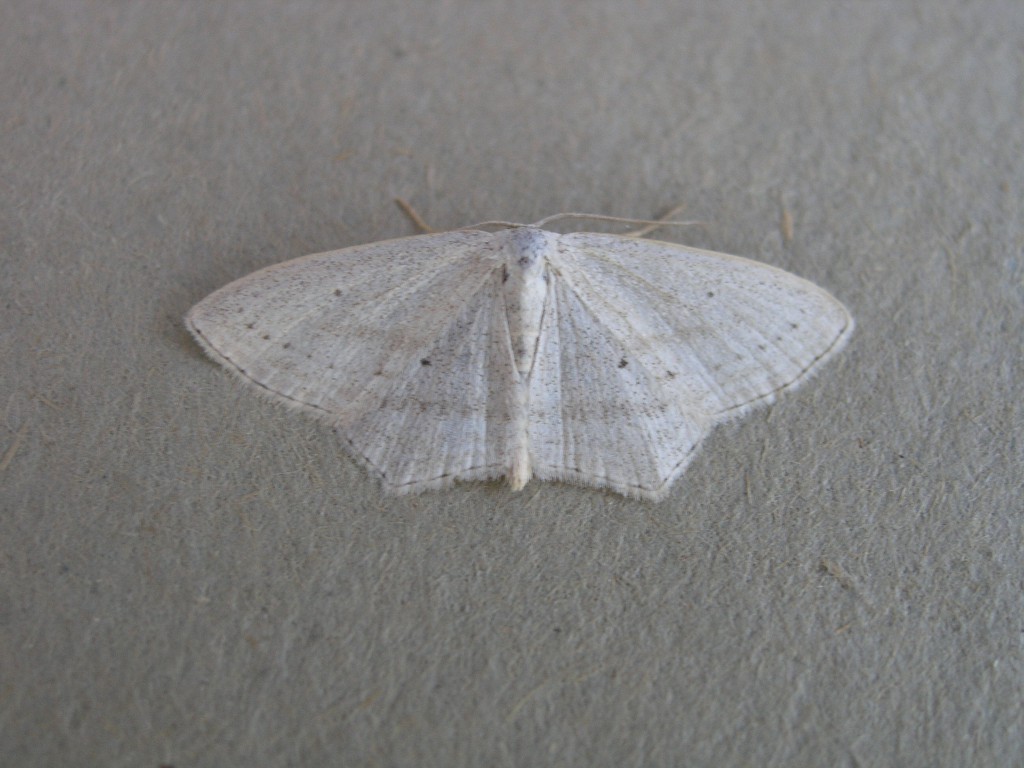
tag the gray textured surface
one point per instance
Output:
(191, 576)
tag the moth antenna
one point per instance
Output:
(649, 224)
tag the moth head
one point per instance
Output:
(525, 247)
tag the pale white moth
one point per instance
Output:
(588, 358)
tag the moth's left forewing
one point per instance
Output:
(732, 332)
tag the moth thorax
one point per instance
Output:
(525, 290)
